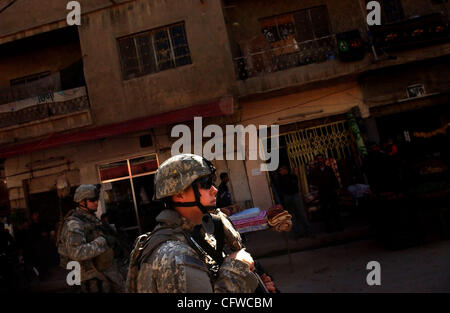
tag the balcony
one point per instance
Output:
(412, 33)
(43, 106)
(260, 57)
(47, 113)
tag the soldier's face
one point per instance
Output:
(194, 214)
(208, 196)
(92, 205)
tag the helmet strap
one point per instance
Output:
(84, 206)
(204, 209)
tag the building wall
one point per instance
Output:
(321, 101)
(30, 15)
(243, 25)
(417, 7)
(82, 158)
(208, 77)
(389, 85)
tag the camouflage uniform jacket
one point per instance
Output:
(80, 240)
(176, 267)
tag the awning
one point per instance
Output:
(216, 108)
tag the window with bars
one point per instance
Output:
(305, 25)
(154, 51)
(291, 39)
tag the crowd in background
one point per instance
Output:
(29, 254)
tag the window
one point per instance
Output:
(28, 79)
(154, 51)
(298, 38)
(304, 25)
(393, 10)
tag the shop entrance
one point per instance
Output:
(128, 187)
(335, 141)
(50, 207)
(422, 150)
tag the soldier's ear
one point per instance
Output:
(178, 196)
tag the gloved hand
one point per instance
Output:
(110, 240)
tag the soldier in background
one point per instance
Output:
(84, 238)
(181, 255)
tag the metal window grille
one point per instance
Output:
(154, 51)
(289, 40)
(332, 140)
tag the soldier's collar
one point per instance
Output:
(173, 219)
(89, 215)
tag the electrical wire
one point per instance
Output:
(7, 6)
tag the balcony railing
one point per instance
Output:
(261, 58)
(411, 33)
(43, 106)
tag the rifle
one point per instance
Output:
(122, 248)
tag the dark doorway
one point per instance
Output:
(50, 207)
(148, 209)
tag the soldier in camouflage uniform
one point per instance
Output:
(82, 237)
(169, 259)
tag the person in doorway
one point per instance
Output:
(84, 238)
(324, 179)
(39, 237)
(6, 257)
(224, 198)
(293, 201)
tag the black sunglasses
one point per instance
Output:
(92, 199)
(205, 182)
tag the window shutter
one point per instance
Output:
(146, 53)
(128, 55)
(320, 21)
(180, 45)
(162, 47)
(303, 26)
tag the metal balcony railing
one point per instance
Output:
(261, 61)
(414, 32)
(48, 105)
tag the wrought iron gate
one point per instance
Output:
(334, 140)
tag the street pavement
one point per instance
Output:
(334, 262)
(342, 268)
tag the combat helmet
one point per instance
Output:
(178, 173)
(84, 192)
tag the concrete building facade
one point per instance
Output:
(96, 103)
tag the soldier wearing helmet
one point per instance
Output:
(174, 258)
(82, 237)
